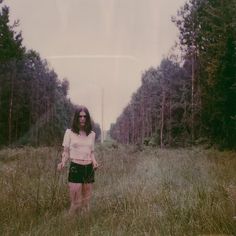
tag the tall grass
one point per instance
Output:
(149, 192)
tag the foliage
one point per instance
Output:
(34, 106)
(207, 30)
(159, 110)
(180, 104)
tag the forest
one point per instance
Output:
(34, 106)
(191, 99)
(188, 99)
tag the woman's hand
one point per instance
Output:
(95, 164)
(65, 157)
(60, 166)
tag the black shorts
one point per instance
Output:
(81, 173)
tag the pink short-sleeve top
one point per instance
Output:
(80, 147)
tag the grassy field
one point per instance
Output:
(148, 192)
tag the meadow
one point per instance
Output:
(152, 191)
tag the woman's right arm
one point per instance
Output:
(65, 157)
(66, 152)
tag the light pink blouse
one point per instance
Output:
(80, 147)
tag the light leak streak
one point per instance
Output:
(87, 56)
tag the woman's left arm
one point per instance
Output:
(94, 162)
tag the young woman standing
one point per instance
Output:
(78, 146)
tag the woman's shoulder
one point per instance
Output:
(68, 131)
(93, 133)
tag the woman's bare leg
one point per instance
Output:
(86, 195)
(75, 190)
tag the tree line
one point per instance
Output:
(34, 107)
(190, 101)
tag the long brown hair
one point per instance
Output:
(76, 124)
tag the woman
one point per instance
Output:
(78, 146)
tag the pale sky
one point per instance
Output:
(99, 44)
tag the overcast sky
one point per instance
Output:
(99, 44)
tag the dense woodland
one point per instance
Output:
(191, 100)
(34, 107)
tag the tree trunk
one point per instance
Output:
(162, 118)
(11, 104)
(192, 98)
(170, 128)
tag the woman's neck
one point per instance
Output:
(82, 132)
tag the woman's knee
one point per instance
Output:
(75, 191)
(87, 190)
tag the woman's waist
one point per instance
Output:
(81, 162)
(81, 158)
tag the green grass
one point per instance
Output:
(149, 192)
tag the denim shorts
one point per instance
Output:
(81, 173)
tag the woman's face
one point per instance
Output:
(82, 118)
